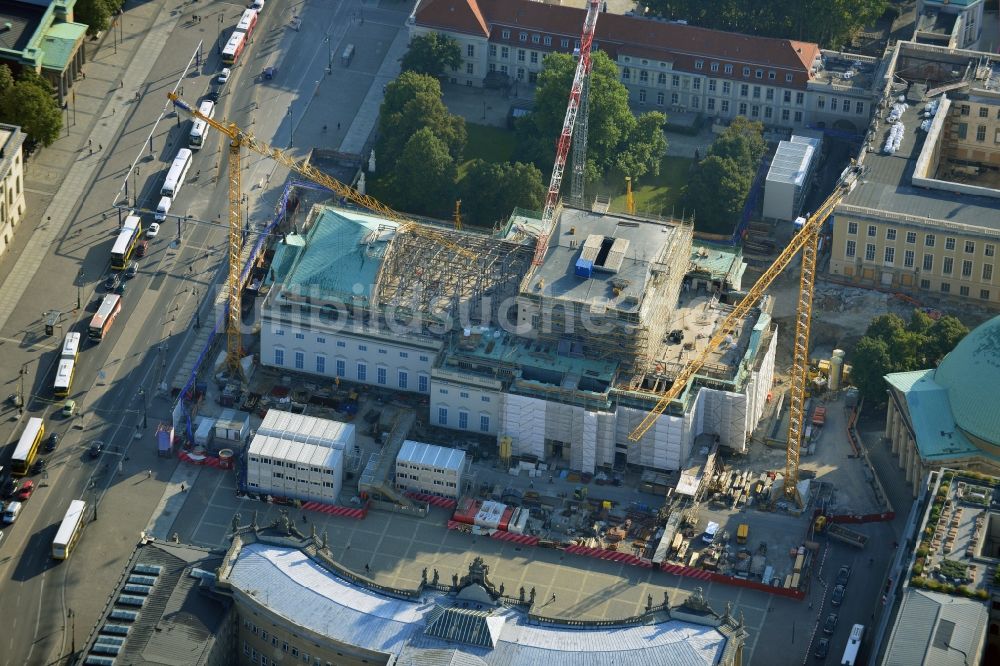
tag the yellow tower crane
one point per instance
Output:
(806, 240)
(238, 138)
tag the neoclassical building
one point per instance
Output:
(949, 416)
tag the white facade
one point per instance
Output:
(308, 429)
(470, 403)
(296, 470)
(428, 468)
(12, 201)
(396, 362)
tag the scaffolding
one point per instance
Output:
(420, 277)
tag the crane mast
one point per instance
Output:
(806, 241)
(566, 135)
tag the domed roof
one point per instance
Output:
(971, 374)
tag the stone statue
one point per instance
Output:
(501, 589)
(454, 580)
(313, 532)
(236, 521)
(371, 162)
(253, 524)
(325, 540)
(649, 602)
(531, 599)
(729, 609)
(437, 577)
(522, 594)
(286, 523)
(423, 576)
(361, 183)
(666, 599)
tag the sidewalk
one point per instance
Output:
(56, 177)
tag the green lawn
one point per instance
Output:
(492, 144)
(653, 194)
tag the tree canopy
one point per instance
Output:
(29, 103)
(423, 179)
(432, 54)
(720, 183)
(491, 191)
(892, 345)
(413, 102)
(616, 138)
(830, 23)
(96, 13)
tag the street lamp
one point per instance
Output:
(79, 283)
(218, 44)
(197, 311)
(72, 644)
(142, 396)
(329, 54)
(289, 125)
(135, 186)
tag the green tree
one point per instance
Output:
(423, 180)
(743, 142)
(870, 363)
(432, 54)
(95, 13)
(413, 102)
(943, 336)
(715, 193)
(490, 191)
(610, 119)
(30, 104)
(643, 150)
(6, 79)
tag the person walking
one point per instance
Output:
(149, 473)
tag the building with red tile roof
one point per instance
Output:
(666, 66)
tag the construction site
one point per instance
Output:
(602, 384)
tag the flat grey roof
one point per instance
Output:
(647, 242)
(887, 187)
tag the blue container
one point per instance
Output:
(584, 268)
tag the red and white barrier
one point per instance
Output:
(207, 461)
(687, 572)
(523, 539)
(434, 500)
(334, 510)
(610, 555)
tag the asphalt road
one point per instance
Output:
(140, 351)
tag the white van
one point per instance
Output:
(257, 5)
(11, 513)
(162, 209)
(710, 532)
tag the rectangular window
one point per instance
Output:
(925, 284)
(300, 360)
(890, 255)
(859, 108)
(727, 87)
(966, 268)
(820, 102)
(469, 68)
(675, 81)
(381, 374)
(699, 64)
(642, 96)
(493, 50)
(908, 257)
(523, 36)
(945, 288)
(403, 379)
(321, 365)
(710, 104)
(442, 416)
(870, 252)
(949, 243)
(725, 106)
(970, 247)
(300, 336)
(728, 69)
(987, 272)
(547, 40)
(743, 108)
(984, 294)
(798, 116)
(852, 228)
(715, 67)
(981, 133)
(564, 43)
(963, 290)
(279, 332)
(520, 55)
(505, 34)
(769, 95)
(768, 112)
(872, 231)
(928, 262)
(989, 249)
(696, 84)
(341, 367)
(746, 71)
(963, 132)
(485, 398)
(362, 372)
(929, 240)
(341, 343)
(484, 423)
(787, 96)
(890, 234)
(463, 420)
(784, 115)
(534, 58)
(674, 98)
(911, 238)
(744, 90)
(535, 39)
(756, 92)
(279, 356)
(504, 52)
(404, 354)
(659, 98)
(947, 266)
(363, 348)
(800, 98)
(851, 249)
(759, 74)
(711, 85)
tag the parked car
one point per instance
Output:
(11, 512)
(153, 229)
(224, 75)
(13, 485)
(843, 576)
(822, 648)
(830, 625)
(27, 488)
(39, 466)
(132, 269)
(140, 249)
(69, 408)
(112, 282)
(52, 442)
(837, 597)
(96, 449)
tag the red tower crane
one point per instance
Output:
(566, 136)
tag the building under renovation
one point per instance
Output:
(559, 358)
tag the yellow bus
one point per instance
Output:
(27, 447)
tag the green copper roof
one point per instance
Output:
(934, 428)
(58, 44)
(971, 375)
